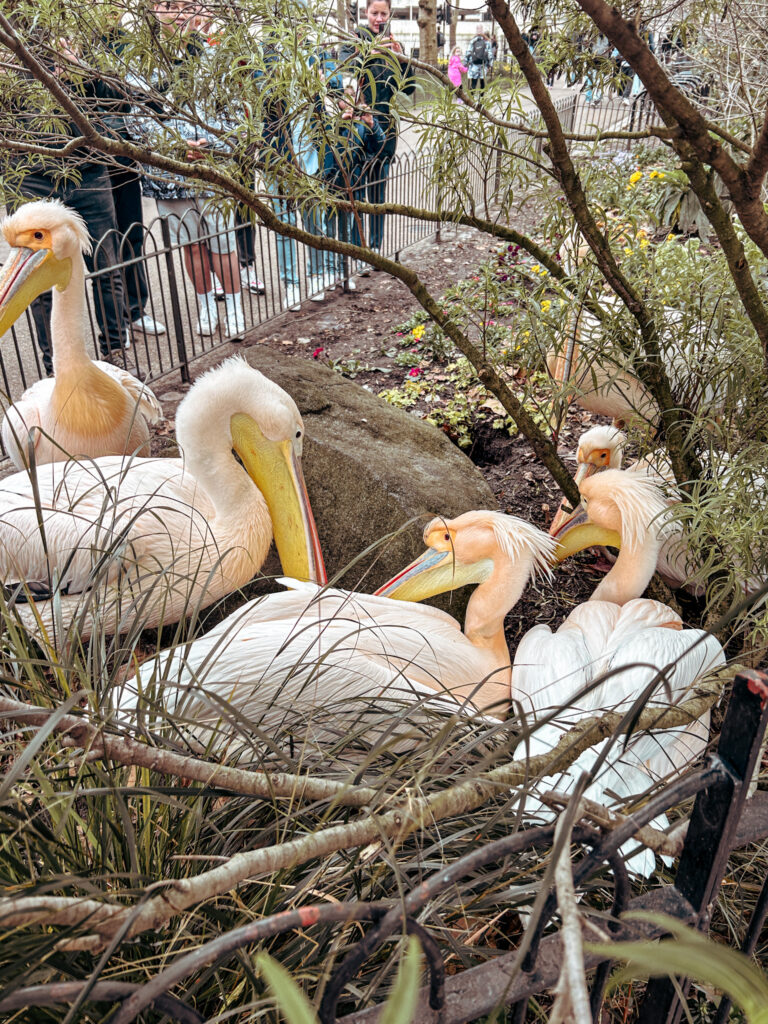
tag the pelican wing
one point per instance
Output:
(632, 643)
(319, 658)
(145, 399)
(23, 416)
(108, 515)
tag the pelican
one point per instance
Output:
(601, 378)
(601, 448)
(616, 629)
(121, 540)
(89, 407)
(278, 657)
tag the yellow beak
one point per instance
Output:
(577, 533)
(26, 274)
(565, 512)
(276, 470)
(432, 573)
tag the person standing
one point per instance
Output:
(478, 59)
(380, 81)
(125, 179)
(456, 67)
(195, 218)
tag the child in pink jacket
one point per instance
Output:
(455, 67)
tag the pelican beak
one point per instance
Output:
(275, 468)
(565, 512)
(26, 274)
(432, 573)
(577, 533)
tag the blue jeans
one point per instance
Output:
(319, 263)
(376, 175)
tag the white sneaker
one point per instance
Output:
(148, 325)
(315, 287)
(352, 284)
(209, 315)
(235, 315)
(363, 269)
(252, 281)
(292, 300)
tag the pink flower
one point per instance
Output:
(316, 353)
(414, 371)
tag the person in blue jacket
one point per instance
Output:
(351, 136)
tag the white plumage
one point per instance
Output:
(90, 407)
(153, 540)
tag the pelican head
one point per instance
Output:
(45, 238)
(467, 550)
(261, 423)
(599, 448)
(623, 510)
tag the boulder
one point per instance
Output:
(370, 470)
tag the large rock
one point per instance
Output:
(369, 470)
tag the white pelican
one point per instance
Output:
(614, 630)
(126, 540)
(601, 378)
(601, 448)
(619, 632)
(89, 407)
(279, 657)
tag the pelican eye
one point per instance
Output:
(39, 236)
(447, 536)
(298, 433)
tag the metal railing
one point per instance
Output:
(171, 298)
(173, 302)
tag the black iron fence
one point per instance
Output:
(277, 274)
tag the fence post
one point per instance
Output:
(178, 323)
(714, 818)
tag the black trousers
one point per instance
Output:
(91, 197)
(126, 195)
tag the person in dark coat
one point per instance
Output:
(380, 81)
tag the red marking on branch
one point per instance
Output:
(308, 916)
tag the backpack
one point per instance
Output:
(477, 51)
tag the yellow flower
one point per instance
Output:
(670, 237)
(634, 178)
(661, 174)
(627, 250)
(643, 243)
(417, 332)
(545, 305)
(535, 268)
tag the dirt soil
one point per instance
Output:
(354, 331)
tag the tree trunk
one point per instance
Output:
(452, 30)
(428, 31)
(346, 14)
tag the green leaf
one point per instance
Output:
(401, 1005)
(291, 1001)
(690, 954)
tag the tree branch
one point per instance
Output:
(97, 743)
(692, 126)
(650, 369)
(396, 824)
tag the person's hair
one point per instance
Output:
(369, 2)
(456, 49)
(479, 30)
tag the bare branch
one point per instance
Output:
(267, 785)
(395, 824)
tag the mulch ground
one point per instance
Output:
(354, 332)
